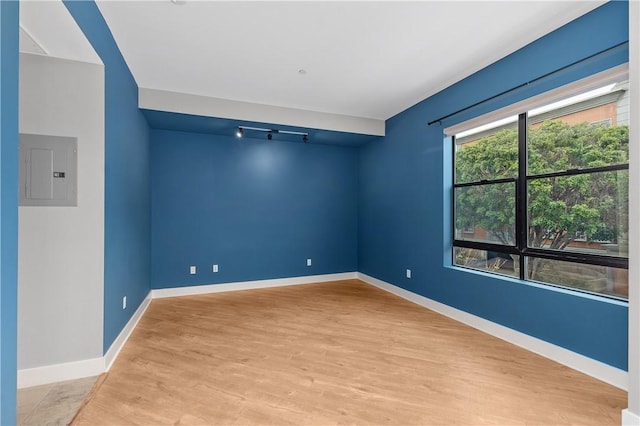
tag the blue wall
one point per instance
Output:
(404, 201)
(127, 256)
(258, 209)
(8, 207)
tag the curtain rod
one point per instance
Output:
(535, 80)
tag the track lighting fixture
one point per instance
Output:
(270, 132)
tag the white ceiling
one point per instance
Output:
(362, 59)
(47, 28)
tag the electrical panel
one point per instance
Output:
(48, 170)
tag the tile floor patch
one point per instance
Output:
(52, 404)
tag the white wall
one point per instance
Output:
(61, 249)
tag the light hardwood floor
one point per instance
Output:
(332, 353)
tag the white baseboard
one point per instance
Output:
(591, 367)
(119, 342)
(28, 377)
(249, 285)
(84, 368)
(96, 366)
(629, 418)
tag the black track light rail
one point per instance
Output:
(271, 132)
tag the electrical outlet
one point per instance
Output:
(308, 262)
(215, 268)
(408, 273)
(192, 270)
(124, 302)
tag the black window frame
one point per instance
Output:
(521, 248)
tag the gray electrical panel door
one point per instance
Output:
(48, 170)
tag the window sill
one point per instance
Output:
(546, 287)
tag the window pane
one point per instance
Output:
(581, 213)
(488, 261)
(487, 152)
(486, 213)
(585, 131)
(592, 278)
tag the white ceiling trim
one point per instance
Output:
(47, 28)
(28, 44)
(163, 100)
(371, 59)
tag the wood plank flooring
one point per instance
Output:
(332, 353)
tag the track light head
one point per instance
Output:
(305, 138)
(270, 135)
(239, 132)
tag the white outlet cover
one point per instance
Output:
(192, 270)
(215, 268)
(408, 273)
(124, 302)
(308, 262)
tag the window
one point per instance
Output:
(546, 194)
(605, 122)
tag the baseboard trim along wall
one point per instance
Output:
(84, 368)
(59, 372)
(122, 338)
(591, 367)
(96, 366)
(249, 285)
(93, 367)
